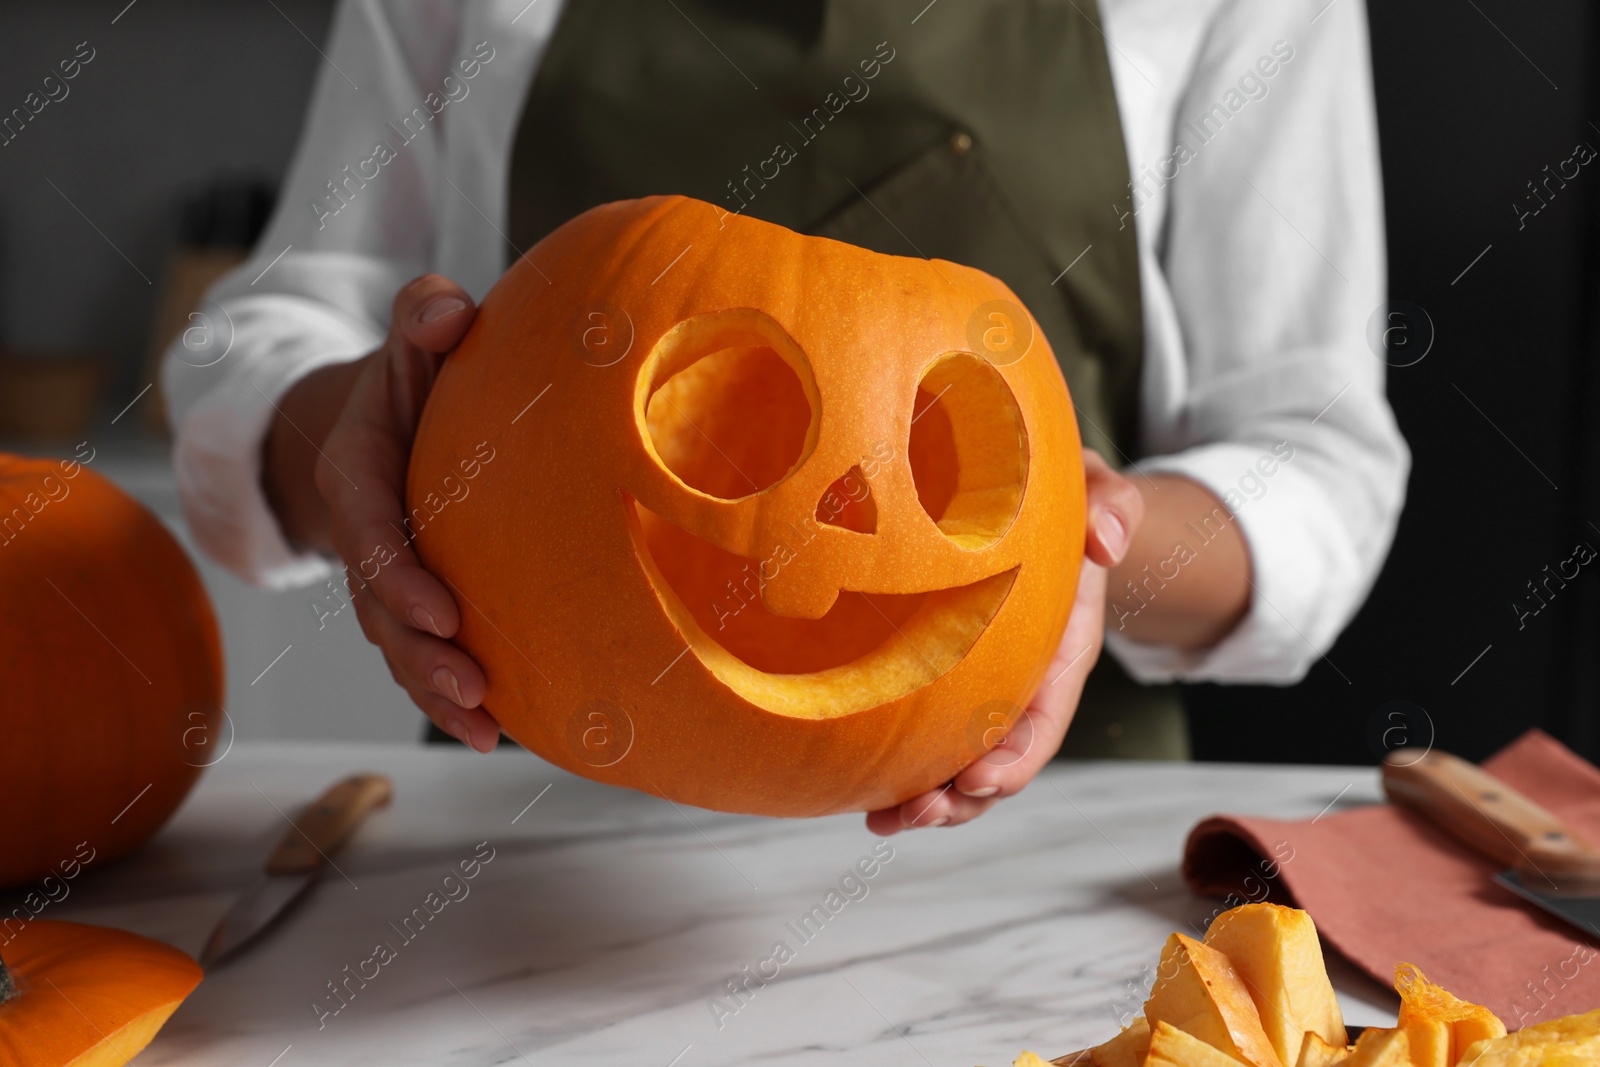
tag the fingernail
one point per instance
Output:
(420, 616)
(940, 821)
(986, 791)
(441, 307)
(456, 727)
(1112, 533)
(446, 682)
(485, 739)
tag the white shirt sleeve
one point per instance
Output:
(351, 227)
(1264, 262)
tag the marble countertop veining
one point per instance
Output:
(609, 927)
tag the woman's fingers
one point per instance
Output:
(1036, 736)
(431, 316)
(441, 679)
(428, 314)
(1116, 509)
(939, 807)
(379, 552)
(363, 470)
(370, 533)
(1032, 741)
(475, 729)
(404, 609)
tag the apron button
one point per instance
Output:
(960, 143)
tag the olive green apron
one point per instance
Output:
(980, 131)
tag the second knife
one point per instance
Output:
(1546, 862)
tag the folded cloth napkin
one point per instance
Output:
(1384, 885)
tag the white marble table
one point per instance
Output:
(608, 922)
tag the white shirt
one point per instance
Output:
(1260, 241)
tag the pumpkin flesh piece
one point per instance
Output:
(1172, 1047)
(1315, 1052)
(1277, 954)
(88, 996)
(1436, 1020)
(1198, 991)
(1381, 1048)
(1571, 1041)
(1128, 1049)
(116, 1049)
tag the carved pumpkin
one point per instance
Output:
(747, 519)
(88, 996)
(110, 666)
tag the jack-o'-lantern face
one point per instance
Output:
(774, 516)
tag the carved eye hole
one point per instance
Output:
(728, 403)
(968, 450)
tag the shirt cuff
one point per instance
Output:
(1306, 577)
(220, 432)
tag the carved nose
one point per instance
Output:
(849, 504)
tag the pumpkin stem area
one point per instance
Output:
(8, 988)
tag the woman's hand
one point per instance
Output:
(358, 504)
(1115, 510)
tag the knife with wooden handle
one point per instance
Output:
(1489, 816)
(297, 861)
(1547, 862)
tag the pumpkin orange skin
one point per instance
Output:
(566, 613)
(110, 669)
(87, 996)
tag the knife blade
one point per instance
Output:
(297, 861)
(1547, 863)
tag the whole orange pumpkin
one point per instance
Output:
(86, 996)
(110, 671)
(747, 519)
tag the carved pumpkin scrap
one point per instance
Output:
(779, 518)
(84, 995)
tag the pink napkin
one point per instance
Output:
(1384, 885)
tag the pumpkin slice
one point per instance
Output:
(1276, 953)
(1439, 1024)
(1127, 1049)
(1198, 990)
(1171, 1047)
(87, 996)
(1380, 1048)
(1430, 1042)
(1028, 1059)
(1564, 1042)
(1316, 1052)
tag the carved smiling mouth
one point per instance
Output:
(867, 650)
